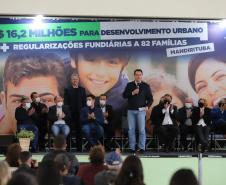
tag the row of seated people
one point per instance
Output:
(193, 120)
(62, 167)
(164, 116)
(35, 116)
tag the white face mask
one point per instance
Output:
(28, 105)
(37, 100)
(188, 105)
(59, 104)
(89, 103)
(102, 102)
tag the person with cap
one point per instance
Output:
(114, 162)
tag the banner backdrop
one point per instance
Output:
(179, 58)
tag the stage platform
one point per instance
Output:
(159, 167)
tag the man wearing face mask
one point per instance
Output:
(184, 117)
(92, 118)
(59, 117)
(108, 114)
(41, 111)
(166, 121)
(26, 118)
(219, 117)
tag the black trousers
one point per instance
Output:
(202, 134)
(77, 127)
(184, 131)
(109, 132)
(220, 126)
(43, 130)
(167, 134)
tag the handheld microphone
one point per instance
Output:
(138, 84)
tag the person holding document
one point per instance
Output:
(139, 100)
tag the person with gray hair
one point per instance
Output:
(184, 118)
(114, 163)
(75, 98)
(63, 165)
(26, 118)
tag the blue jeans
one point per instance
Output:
(65, 129)
(136, 116)
(99, 131)
(30, 128)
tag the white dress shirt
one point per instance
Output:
(59, 121)
(104, 110)
(167, 119)
(201, 121)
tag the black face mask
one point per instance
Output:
(166, 101)
(221, 104)
(201, 105)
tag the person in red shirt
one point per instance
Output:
(96, 157)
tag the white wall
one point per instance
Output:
(199, 9)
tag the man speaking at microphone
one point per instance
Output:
(139, 100)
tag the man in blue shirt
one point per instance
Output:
(91, 119)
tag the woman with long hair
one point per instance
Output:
(48, 174)
(5, 174)
(131, 172)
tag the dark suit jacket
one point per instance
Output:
(110, 111)
(52, 115)
(159, 116)
(22, 117)
(97, 112)
(42, 117)
(207, 117)
(182, 114)
(26, 169)
(74, 161)
(69, 98)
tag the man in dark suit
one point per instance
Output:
(139, 101)
(75, 98)
(184, 118)
(41, 111)
(25, 164)
(60, 145)
(26, 118)
(108, 114)
(92, 118)
(166, 121)
(59, 117)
